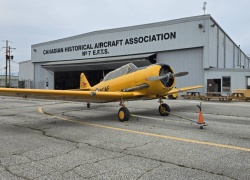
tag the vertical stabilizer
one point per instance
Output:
(84, 83)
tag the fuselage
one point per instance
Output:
(136, 80)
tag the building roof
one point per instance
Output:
(128, 28)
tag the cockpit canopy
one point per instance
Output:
(126, 69)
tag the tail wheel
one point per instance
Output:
(164, 109)
(123, 114)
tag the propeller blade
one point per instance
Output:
(155, 78)
(180, 74)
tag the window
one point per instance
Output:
(226, 84)
(131, 67)
(120, 72)
(109, 76)
(248, 82)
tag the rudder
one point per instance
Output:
(84, 83)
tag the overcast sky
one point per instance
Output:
(27, 22)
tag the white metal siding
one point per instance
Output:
(221, 49)
(242, 60)
(212, 55)
(246, 63)
(185, 60)
(236, 56)
(26, 71)
(238, 78)
(188, 34)
(41, 76)
(229, 53)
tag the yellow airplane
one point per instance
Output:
(123, 84)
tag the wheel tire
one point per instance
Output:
(123, 114)
(164, 109)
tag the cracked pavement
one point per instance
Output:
(38, 146)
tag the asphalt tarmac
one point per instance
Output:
(42, 139)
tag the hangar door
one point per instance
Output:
(67, 73)
(190, 60)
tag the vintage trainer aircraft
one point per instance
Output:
(123, 84)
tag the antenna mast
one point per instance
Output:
(204, 9)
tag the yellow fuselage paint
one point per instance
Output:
(139, 77)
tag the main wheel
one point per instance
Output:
(164, 109)
(123, 114)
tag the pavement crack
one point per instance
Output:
(16, 175)
(153, 159)
(141, 145)
(43, 131)
(97, 161)
(179, 165)
(148, 171)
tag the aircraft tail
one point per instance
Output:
(84, 83)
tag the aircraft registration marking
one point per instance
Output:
(104, 89)
(150, 134)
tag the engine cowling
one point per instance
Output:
(167, 71)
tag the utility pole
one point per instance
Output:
(6, 67)
(9, 66)
(8, 57)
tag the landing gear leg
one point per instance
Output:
(88, 105)
(164, 109)
(123, 113)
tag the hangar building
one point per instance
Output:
(194, 44)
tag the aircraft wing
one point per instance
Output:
(70, 95)
(176, 90)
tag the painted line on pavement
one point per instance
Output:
(149, 134)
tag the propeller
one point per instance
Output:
(180, 74)
(155, 78)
